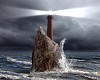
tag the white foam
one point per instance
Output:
(20, 76)
(17, 61)
(46, 75)
(95, 75)
(65, 66)
(12, 75)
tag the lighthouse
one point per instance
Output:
(49, 27)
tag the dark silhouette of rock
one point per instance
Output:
(46, 53)
(4, 78)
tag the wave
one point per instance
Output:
(88, 74)
(17, 61)
(19, 76)
(51, 75)
(72, 75)
(12, 75)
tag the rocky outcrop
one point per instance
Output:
(46, 53)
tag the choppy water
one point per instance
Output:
(17, 65)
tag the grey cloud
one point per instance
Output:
(20, 32)
(65, 4)
(81, 33)
(29, 4)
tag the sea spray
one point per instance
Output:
(65, 66)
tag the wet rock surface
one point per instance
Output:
(46, 53)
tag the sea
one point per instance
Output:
(75, 65)
(16, 65)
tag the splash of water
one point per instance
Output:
(65, 66)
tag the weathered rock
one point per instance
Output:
(46, 53)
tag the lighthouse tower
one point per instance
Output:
(49, 27)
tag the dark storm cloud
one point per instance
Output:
(81, 33)
(31, 4)
(49, 4)
(19, 32)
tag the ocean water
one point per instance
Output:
(17, 65)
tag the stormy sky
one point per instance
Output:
(19, 32)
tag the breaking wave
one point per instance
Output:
(64, 64)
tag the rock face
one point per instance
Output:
(46, 53)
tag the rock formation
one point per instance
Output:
(46, 53)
